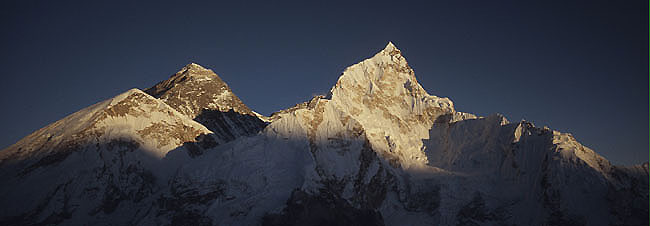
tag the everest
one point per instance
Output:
(376, 150)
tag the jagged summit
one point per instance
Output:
(387, 70)
(194, 88)
(195, 66)
(383, 94)
(124, 95)
(191, 71)
(187, 72)
(194, 69)
(201, 95)
(391, 48)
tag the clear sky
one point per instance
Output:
(575, 66)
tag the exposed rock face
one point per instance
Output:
(195, 88)
(377, 150)
(201, 95)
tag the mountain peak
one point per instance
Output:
(386, 74)
(194, 70)
(194, 67)
(126, 94)
(200, 94)
(382, 94)
(195, 88)
(390, 47)
(124, 116)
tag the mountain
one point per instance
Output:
(376, 150)
(200, 94)
(102, 160)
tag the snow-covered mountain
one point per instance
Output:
(377, 150)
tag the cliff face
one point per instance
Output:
(377, 150)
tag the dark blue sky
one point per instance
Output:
(575, 66)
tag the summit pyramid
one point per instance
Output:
(200, 94)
